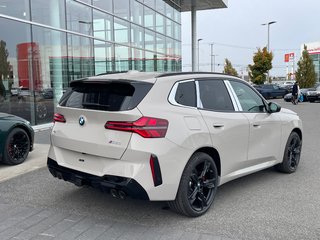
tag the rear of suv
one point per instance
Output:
(169, 137)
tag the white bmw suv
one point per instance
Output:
(170, 137)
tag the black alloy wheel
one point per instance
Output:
(292, 154)
(17, 147)
(198, 186)
(201, 186)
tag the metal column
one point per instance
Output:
(194, 36)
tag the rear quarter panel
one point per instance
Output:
(187, 132)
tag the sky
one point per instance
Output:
(237, 33)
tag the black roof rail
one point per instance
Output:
(185, 73)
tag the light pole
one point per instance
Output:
(199, 39)
(268, 46)
(211, 45)
(269, 23)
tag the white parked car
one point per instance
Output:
(170, 137)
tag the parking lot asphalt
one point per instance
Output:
(264, 205)
(36, 158)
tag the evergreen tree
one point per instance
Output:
(4, 67)
(305, 74)
(229, 69)
(262, 64)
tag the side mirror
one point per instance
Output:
(273, 107)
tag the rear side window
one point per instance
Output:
(214, 95)
(106, 96)
(186, 94)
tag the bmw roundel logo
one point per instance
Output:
(81, 121)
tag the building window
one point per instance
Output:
(104, 5)
(122, 57)
(18, 9)
(50, 12)
(161, 6)
(102, 26)
(103, 57)
(121, 31)
(149, 18)
(136, 15)
(80, 57)
(150, 3)
(161, 43)
(150, 40)
(138, 60)
(160, 23)
(122, 9)
(79, 17)
(137, 36)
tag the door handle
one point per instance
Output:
(218, 125)
(256, 124)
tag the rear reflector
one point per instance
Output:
(146, 127)
(155, 170)
(58, 118)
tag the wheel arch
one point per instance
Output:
(298, 131)
(212, 152)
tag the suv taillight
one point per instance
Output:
(58, 118)
(146, 127)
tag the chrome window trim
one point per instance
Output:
(235, 101)
(173, 91)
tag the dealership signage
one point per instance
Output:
(313, 48)
(289, 57)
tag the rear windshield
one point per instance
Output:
(106, 96)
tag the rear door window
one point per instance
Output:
(214, 95)
(106, 96)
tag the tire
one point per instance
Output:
(17, 147)
(198, 186)
(292, 152)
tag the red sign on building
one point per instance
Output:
(29, 66)
(288, 57)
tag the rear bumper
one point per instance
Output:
(105, 183)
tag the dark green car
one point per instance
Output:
(16, 139)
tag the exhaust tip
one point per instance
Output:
(59, 175)
(114, 193)
(122, 195)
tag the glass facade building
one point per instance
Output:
(46, 44)
(314, 52)
(316, 61)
